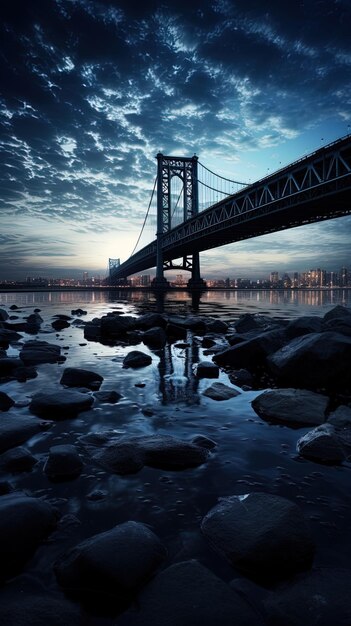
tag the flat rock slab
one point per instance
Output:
(36, 352)
(189, 594)
(136, 358)
(76, 377)
(24, 523)
(291, 406)
(127, 455)
(322, 444)
(263, 535)
(319, 598)
(16, 429)
(220, 391)
(113, 563)
(60, 404)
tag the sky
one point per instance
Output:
(92, 90)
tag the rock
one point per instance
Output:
(217, 326)
(176, 331)
(263, 535)
(15, 429)
(291, 406)
(8, 336)
(76, 377)
(38, 608)
(155, 337)
(253, 352)
(241, 377)
(14, 307)
(24, 373)
(314, 361)
(3, 315)
(189, 594)
(9, 365)
(78, 312)
(115, 326)
(92, 330)
(127, 455)
(17, 460)
(339, 325)
(303, 326)
(151, 320)
(206, 369)
(321, 444)
(36, 352)
(60, 324)
(110, 397)
(63, 462)
(204, 442)
(63, 317)
(5, 401)
(319, 598)
(208, 342)
(220, 391)
(336, 312)
(34, 319)
(60, 404)
(113, 563)
(247, 322)
(137, 359)
(341, 417)
(24, 523)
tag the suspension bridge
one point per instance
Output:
(194, 209)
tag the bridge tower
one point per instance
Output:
(186, 170)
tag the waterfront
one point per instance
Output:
(167, 398)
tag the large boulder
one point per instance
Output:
(76, 377)
(63, 462)
(206, 369)
(24, 523)
(59, 405)
(303, 326)
(322, 444)
(263, 535)
(220, 391)
(155, 337)
(17, 460)
(136, 359)
(3, 315)
(16, 429)
(291, 406)
(115, 326)
(253, 352)
(337, 312)
(314, 361)
(38, 608)
(151, 320)
(189, 594)
(113, 563)
(36, 352)
(8, 336)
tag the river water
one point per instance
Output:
(251, 455)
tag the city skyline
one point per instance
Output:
(91, 90)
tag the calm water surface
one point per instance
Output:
(251, 455)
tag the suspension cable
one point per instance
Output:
(225, 193)
(147, 213)
(180, 193)
(222, 177)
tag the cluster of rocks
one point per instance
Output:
(264, 537)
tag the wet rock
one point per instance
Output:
(36, 608)
(241, 377)
(341, 417)
(204, 442)
(189, 594)
(314, 361)
(115, 326)
(155, 337)
(321, 444)
(337, 312)
(5, 401)
(63, 462)
(8, 336)
(60, 324)
(208, 342)
(36, 352)
(9, 365)
(3, 353)
(24, 373)
(13, 307)
(176, 331)
(339, 324)
(127, 455)
(110, 397)
(34, 322)
(92, 330)
(24, 523)
(3, 315)
(113, 563)
(253, 352)
(217, 326)
(136, 359)
(263, 535)
(319, 598)
(206, 369)
(5, 487)
(291, 406)
(63, 317)
(15, 429)
(220, 391)
(17, 460)
(151, 320)
(303, 326)
(248, 322)
(78, 312)
(60, 404)
(76, 377)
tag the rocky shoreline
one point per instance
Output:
(125, 574)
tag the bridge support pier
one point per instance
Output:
(196, 282)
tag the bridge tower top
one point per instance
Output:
(184, 168)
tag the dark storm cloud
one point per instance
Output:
(91, 90)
